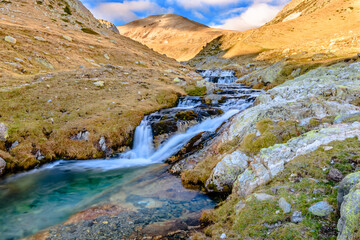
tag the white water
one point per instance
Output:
(189, 102)
(143, 152)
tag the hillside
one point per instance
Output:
(303, 30)
(63, 73)
(170, 34)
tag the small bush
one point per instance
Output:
(89, 31)
(67, 10)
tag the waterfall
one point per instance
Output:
(143, 152)
(143, 145)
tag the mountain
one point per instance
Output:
(170, 34)
(64, 74)
(303, 29)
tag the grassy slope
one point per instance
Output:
(43, 106)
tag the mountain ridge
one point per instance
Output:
(171, 34)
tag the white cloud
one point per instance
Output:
(127, 11)
(198, 14)
(256, 15)
(196, 4)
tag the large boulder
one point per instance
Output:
(346, 185)
(348, 224)
(271, 161)
(319, 93)
(224, 174)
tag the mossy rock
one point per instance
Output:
(186, 116)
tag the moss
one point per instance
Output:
(89, 31)
(196, 91)
(271, 133)
(303, 175)
(186, 116)
(196, 178)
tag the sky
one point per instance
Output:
(226, 14)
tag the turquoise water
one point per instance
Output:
(42, 198)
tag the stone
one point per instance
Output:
(40, 38)
(284, 205)
(81, 136)
(226, 171)
(344, 117)
(177, 79)
(327, 148)
(67, 38)
(14, 144)
(348, 224)
(3, 132)
(321, 209)
(45, 63)
(140, 63)
(102, 143)
(2, 166)
(335, 175)
(106, 56)
(223, 236)
(346, 185)
(263, 197)
(297, 217)
(10, 39)
(99, 83)
(39, 156)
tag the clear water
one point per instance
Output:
(47, 196)
(34, 201)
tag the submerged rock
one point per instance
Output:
(321, 209)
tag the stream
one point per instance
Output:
(133, 185)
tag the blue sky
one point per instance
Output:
(227, 14)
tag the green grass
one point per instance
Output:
(302, 175)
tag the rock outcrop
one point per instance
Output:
(109, 25)
(349, 203)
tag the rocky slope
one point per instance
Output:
(302, 131)
(69, 85)
(170, 34)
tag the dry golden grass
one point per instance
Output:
(44, 106)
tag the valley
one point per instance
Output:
(164, 128)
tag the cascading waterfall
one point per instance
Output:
(143, 145)
(49, 195)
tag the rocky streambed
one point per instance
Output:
(131, 195)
